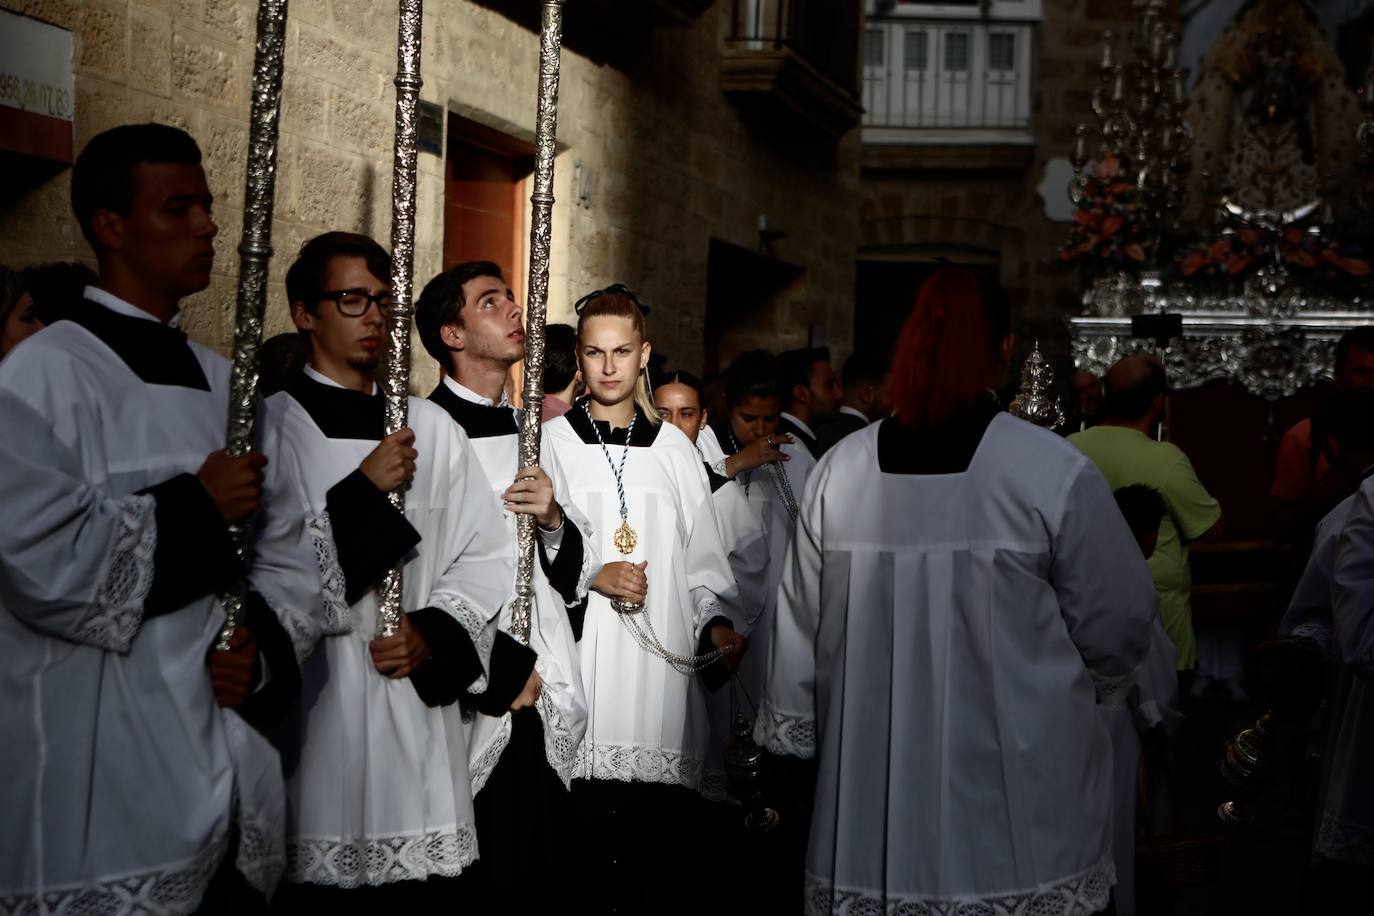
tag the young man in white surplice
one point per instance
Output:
(529, 722)
(960, 592)
(377, 768)
(1334, 605)
(772, 467)
(678, 396)
(654, 617)
(127, 787)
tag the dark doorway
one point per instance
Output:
(885, 292)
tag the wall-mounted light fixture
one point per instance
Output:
(584, 183)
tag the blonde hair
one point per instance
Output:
(618, 305)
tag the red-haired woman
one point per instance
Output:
(960, 590)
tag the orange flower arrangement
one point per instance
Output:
(1235, 255)
(1109, 221)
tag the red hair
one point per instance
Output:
(947, 351)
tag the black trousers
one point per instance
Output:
(637, 849)
(229, 893)
(1338, 887)
(525, 827)
(401, 898)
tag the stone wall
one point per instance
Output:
(673, 163)
(990, 216)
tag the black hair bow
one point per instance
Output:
(614, 289)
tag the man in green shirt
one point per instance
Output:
(1124, 449)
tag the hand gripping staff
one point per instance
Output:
(255, 251)
(541, 231)
(396, 363)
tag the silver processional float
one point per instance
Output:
(255, 251)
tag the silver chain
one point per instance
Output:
(632, 615)
(778, 478)
(619, 472)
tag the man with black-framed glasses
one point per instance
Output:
(379, 795)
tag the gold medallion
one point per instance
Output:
(625, 538)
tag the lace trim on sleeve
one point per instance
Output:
(112, 620)
(480, 769)
(560, 739)
(483, 636)
(709, 607)
(337, 619)
(261, 856)
(586, 574)
(303, 631)
(784, 733)
(1321, 635)
(1342, 842)
(1113, 690)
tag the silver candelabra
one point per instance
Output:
(1139, 107)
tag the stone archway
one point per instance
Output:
(920, 237)
(897, 254)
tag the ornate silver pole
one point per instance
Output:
(541, 231)
(255, 250)
(396, 365)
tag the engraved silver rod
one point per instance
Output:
(396, 363)
(255, 251)
(536, 314)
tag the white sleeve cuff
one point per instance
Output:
(552, 540)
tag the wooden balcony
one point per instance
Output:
(948, 94)
(795, 63)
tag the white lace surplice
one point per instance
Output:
(941, 643)
(561, 704)
(1345, 832)
(377, 781)
(646, 721)
(768, 496)
(122, 774)
(756, 535)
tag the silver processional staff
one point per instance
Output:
(541, 232)
(396, 364)
(255, 251)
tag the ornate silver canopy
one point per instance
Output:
(1272, 347)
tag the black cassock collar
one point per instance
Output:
(645, 432)
(944, 449)
(725, 437)
(341, 413)
(157, 353)
(717, 480)
(478, 420)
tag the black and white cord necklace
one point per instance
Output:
(625, 539)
